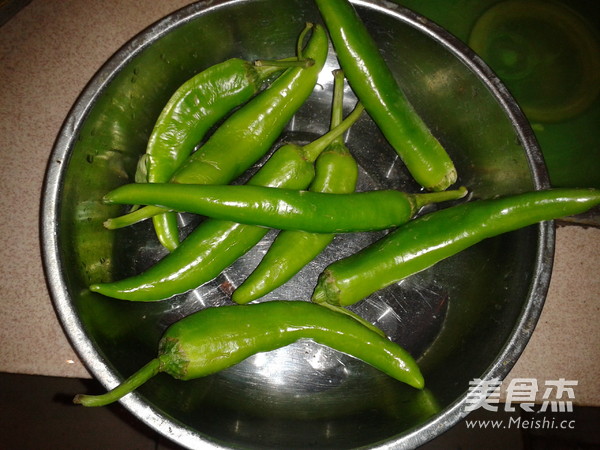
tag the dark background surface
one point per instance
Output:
(36, 412)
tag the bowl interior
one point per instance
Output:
(458, 318)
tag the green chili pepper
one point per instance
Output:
(216, 338)
(216, 244)
(336, 171)
(285, 209)
(441, 234)
(190, 113)
(198, 105)
(375, 86)
(247, 135)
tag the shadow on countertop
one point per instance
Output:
(9, 8)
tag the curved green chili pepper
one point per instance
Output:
(285, 209)
(196, 106)
(199, 104)
(250, 132)
(441, 234)
(216, 338)
(215, 244)
(336, 171)
(375, 86)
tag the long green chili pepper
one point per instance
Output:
(216, 338)
(247, 135)
(285, 209)
(439, 235)
(375, 86)
(215, 244)
(196, 106)
(336, 171)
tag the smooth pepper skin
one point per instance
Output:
(285, 209)
(250, 132)
(335, 171)
(215, 244)
(196, 106)
(216, 338)
(375, 86)
(433, 237)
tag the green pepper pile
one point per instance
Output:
(307, 192)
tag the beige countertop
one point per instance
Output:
(48, 52)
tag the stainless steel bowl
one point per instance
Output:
(467, 318)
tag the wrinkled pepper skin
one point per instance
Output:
(195, 108)
(247, 136)
(216, 338)
(375, 86)
(433, 237)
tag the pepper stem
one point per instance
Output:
(136, 216)
(298, 61)
(337, 107)
(301, 38)
(314, 149)
(420, 200)
(284, 63)
(127, 386)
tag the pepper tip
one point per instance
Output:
(448, 180)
